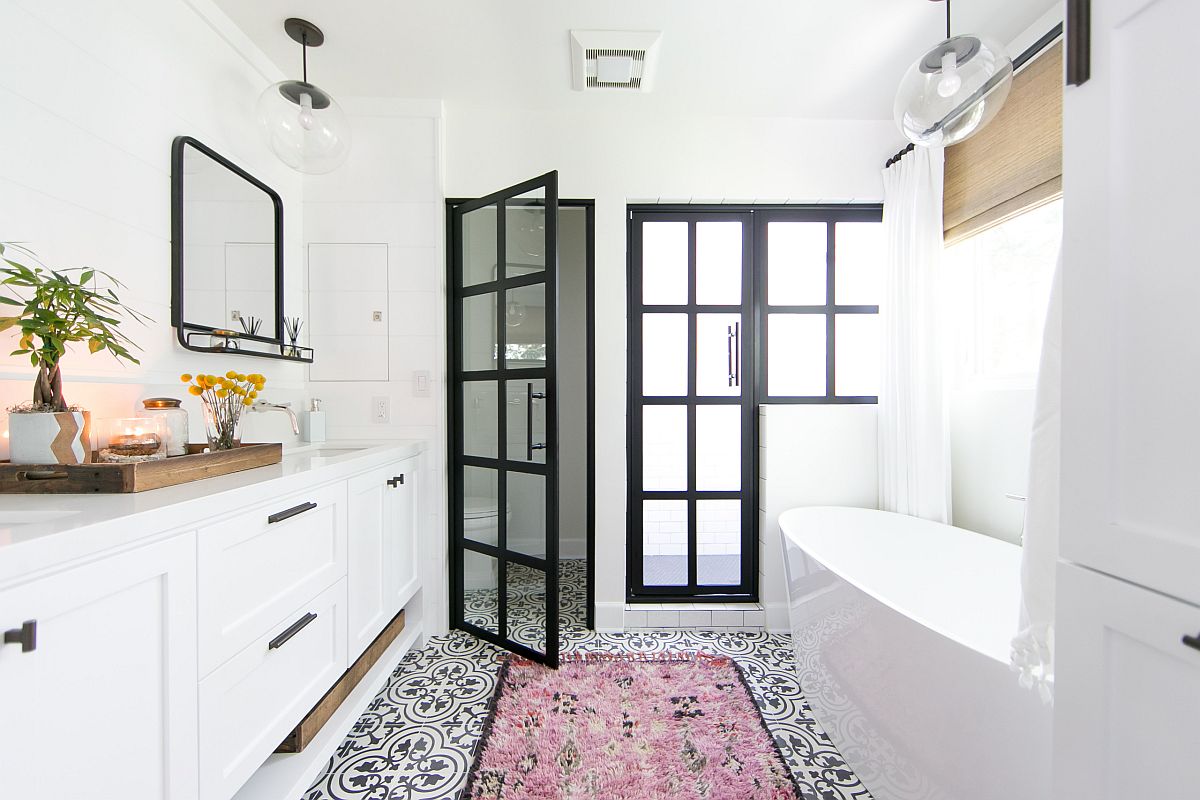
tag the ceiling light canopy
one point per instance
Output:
(303, 125)
(953, 90)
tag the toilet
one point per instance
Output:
(480, 525)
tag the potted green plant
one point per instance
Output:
(56, 308)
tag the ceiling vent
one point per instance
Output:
(613, 59)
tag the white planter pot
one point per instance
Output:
(62, 438)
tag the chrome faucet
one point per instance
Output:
(263, 405)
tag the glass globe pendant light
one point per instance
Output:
(302, 124)
(953, 90)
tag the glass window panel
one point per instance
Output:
(479, 418)
(479, 331)
(664, 263)
(718, 542)
(479, 246)
(719, 370)
(524, 239)
(796, 264)
(480, 596)
(796, 355)
(858, 272)
(664, 355)
(527, 514)
(480, 499)
(525, 591)
(856, 354)
(525, 327)
(664, 448)
(664, 542)
(524, 402)
(718, 448)
(719, 263)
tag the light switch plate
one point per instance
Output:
(420, 379)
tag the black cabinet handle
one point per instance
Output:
(397, 481)
(1192, 641)
(291, 512)
(292, 630)
(26, 636)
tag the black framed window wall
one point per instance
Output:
(731, 307)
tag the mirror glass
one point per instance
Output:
(228, 269)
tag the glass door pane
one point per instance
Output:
(505, 465)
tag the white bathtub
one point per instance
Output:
(901, 629)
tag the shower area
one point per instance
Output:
(520, 411)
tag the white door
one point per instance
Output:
(104, 705)
(1128, 692)
(1131, 282)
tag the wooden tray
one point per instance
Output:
(99, 478)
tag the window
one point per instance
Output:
(998, 285)
(820, 275)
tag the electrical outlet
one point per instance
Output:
(235, 316)
(380, 410)
(421, 383)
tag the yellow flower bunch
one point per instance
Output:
(225, 396)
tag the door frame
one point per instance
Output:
(452, 343)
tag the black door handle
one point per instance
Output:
(291, 512)
(1192, 641)
(26, 636)
(397, 481)
(292, 630)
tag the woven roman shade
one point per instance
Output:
(1013, 164)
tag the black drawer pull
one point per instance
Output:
(1192, 641)
(292, 630)
(26, 636)
(291, 512)
(397, 481)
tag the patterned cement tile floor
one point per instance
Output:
(417, 738)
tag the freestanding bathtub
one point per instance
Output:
(901, 629)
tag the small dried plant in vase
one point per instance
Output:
(225, 398)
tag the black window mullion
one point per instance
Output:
(693, 326)
(502, 427)
(830, 319)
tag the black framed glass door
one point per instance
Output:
(504, 449)
(692, 514)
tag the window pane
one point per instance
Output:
(524, 238)
(718, 368)
(664, 542)
(719, 263)
(665, 263)
(718, 542)
(481, 606)
(479, 246)
(525, 590)
(526, 532)
(664, 448)
(479, 418)
(796, 263)
(856, 346)
(480, 500)
(664, 354)
(796, 355)
(479, 331)
(859, 269)
(718, 448)
(525, 327)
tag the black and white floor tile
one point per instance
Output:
(417, 739)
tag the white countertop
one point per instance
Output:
(39, 532)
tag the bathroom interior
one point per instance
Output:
(476, 400)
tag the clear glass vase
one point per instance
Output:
(223, 423)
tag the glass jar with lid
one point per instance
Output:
(175, 418)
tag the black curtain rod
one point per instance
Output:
(1030, 53)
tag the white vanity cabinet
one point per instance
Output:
(382, 548)
(103, 707)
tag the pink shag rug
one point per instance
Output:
(624, 727)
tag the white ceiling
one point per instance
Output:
(834, 59)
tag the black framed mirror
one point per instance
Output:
(226, 257)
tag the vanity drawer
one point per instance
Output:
(255, 699)
(258, 565)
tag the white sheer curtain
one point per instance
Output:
(1033, 647)
(914, 452)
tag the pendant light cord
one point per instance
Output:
(304, 43)
(947, 19)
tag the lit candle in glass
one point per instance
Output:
(133, 439)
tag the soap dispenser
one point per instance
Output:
(312, 424)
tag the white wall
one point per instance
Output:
(620, 158)
(989, 458)
(809, 456)
(389, 194)
(93, 94)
